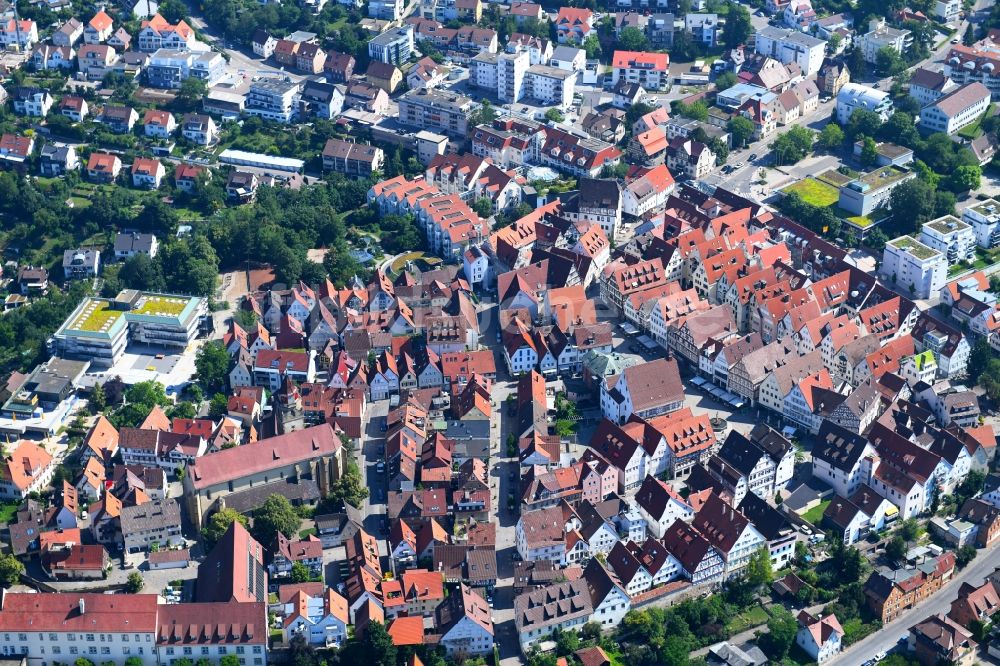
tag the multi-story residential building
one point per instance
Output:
(704, 28)
(158, 124)
(689, 158)
(914, 266)
(444, 112)
(956, 110)
(881, 36)
(563, 606)
(501, 72)
(98, 29)
(272, 100)
(649, 70)
(199, 128)
(73, 107)
(729, 532)
(890, 592)
(31, 101)
(352, 159)
(27, 469)
(103, 167)
(550, 86)
(928, 86)
(147, 173)
(56, 159)
(389, 10)
(761, 464)
(169, 68)
(856, 96)
(979, 62)
(645, 390)
(68, 34)
(832, 76)
(150, 525)
(788, 46)
(985, 220)
(17, 34)
(949, 235)
(842, 459)
(393, 47)
(157, 33)
(947, 10)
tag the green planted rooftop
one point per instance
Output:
(884, 176)
(815, 192)
(914, 247)
(160, 306)
(947, 224)
(96, 316)
(924, 359)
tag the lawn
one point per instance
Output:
(862, 221)
(306, 533)
(80, 202)
(751, 617)
(815, 193)
(972, 131)
(7, 512)
(815, 514)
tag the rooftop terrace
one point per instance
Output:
(914, 247)
(97, 316)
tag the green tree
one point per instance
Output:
(11, 570)
(348, 489)
(632, 39)
(696, 111)
(82, 661)
(219, 523)
(895, 548)
(831, 137)
(738, 28)
(869, 151)
(781, 630)
(135, 583)
(133, 661)
(741, 129)
(300, 573)
(229, 660)
(276, 515)
(592, 46)
(759, 571)
(555, 115)
(965, 555)
(793, 145)
(212, 365)
(140, 399)
(98, 399)
(725, 81)
(912, 204)
(192, 91)
(862, 122)
(910, 530)
(965, 178)
(483, 207)
(377, 645)
(888, 61)
(684, 48)
(484, 115)
(970, 36)
(218, 405)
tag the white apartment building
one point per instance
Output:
(649, 70)
(392, 47)
(985, 220)
(787, 46)
(503, 73)
(950, 235)
(550, 86)
(957, 109)
(390, 10)
(272, 100)
(880, 35)
(947, 10)
(856, 96)
(914, 266)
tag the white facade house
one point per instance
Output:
(856, 96)
(787, 46)
(985, 220)
(956, 110)
(952, 236)
(550, 86)
(914, 266)
(819, 637)
(881, 36)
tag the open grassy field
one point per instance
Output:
(815, 192)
